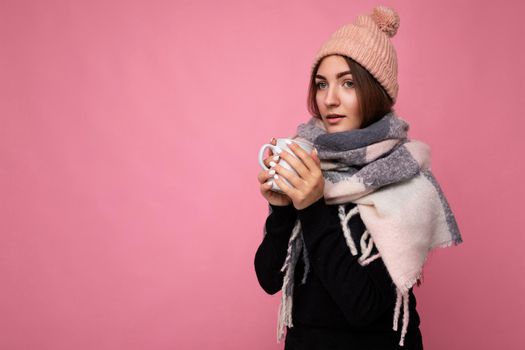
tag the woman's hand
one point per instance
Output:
(308, 184)
(274, 198)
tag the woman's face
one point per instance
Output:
(336, 94)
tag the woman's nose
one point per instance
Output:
(331, 97)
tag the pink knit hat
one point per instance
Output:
(367, 41)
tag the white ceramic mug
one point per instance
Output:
(281, 144)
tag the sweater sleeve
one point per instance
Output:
(363, 293)
(271, 253)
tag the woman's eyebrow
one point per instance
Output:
(339, 75)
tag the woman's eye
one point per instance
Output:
(351, 83)
(320, 84)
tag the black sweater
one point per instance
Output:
(342, 305)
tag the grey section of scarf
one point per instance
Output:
(449, 215)
(344, 154)
(388, 127)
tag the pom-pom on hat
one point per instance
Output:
(367, 41)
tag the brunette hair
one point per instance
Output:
(373, 100)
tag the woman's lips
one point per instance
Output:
(334, 120)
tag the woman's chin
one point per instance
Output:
(338, 128)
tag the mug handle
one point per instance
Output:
(261, 154)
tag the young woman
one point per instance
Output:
(347, 240)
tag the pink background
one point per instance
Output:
(130, 210)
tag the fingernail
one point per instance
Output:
(276, 158)
(272, 164)
(276, 176)
(271, 172)
(288, 142)
(315, 150)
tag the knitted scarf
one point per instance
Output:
(403, 208)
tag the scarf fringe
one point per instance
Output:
(401, 298)
(285, 316)
(345, 218)
(449, 243)
(365, 257)
(306, 261)
(295, 246)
